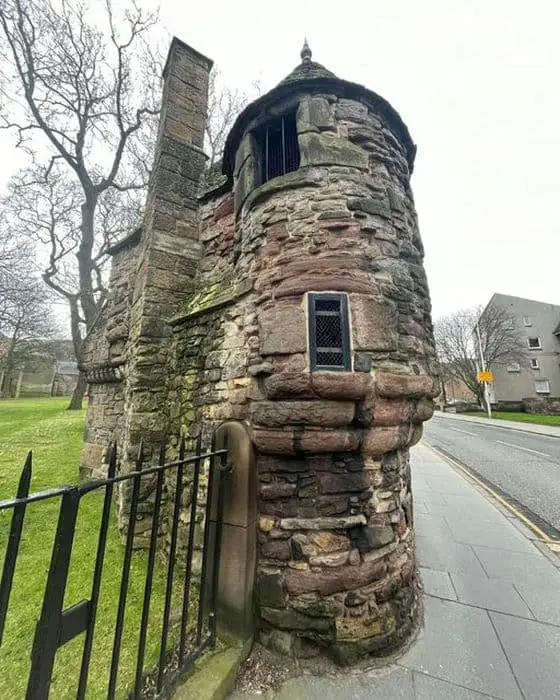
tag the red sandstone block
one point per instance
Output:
(390, 412)
(341, 385)
(424, 411)
(393, 385)
(279, 442)
(377, 441)
(321, 413)
(334, 580)
(319, 283)
(289, 385)
(327, 441)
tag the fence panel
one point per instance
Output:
(181, 639)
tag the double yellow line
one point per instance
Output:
(531, 525)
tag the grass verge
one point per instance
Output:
(55, 435)
(520, 417)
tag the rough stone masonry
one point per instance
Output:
(215, 314)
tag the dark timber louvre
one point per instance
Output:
(279, 150)
(329, 338)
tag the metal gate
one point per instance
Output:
(203, 474)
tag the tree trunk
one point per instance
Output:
(78, 395)
(77, 342)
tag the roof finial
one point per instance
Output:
(305, 52)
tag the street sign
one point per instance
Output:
(486, 376)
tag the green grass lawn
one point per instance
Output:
(55, 435)
(522, 417)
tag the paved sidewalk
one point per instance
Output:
(492, 606)
(550, 430)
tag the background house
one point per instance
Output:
(538, 324)
(42, 368)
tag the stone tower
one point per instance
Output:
(290, 297)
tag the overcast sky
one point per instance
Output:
(477, 83)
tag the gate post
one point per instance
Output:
(49, 627)
(234, 600)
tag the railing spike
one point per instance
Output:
(112, 469)
(182, 448)
(140, 457)
(25, 476)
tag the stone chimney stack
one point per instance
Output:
(169, 248)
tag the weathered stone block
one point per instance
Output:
(294, 620)
(323, 523)
(321, 413)
(379, 440)
(303, 177)
(345, 482)
(369, 205)
(326, 441)
(314, 114)
(324, 149)
(389, 412)
(333, 283)
(340, 385)
(318, 606)
(269, 589)
(404, 385)
(374, 323)
(271, 492)
(287, 385)
(329, 542)
(424, 411)
(278, 549)
(283, 329)
(333, 580)
(331, 560)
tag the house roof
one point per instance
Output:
(314, 77)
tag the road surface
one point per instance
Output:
(524, 466)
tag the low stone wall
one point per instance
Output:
(542, 404)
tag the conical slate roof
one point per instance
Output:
(307, 69)
(314, 77)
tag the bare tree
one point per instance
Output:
(224, 105)
(81, 90)
(457, 344)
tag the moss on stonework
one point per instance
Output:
(212, 296)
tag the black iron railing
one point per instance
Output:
(57, 626)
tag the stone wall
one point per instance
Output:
(105, 363)
(543, 405)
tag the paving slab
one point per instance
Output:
(518, 567)
(429, 688)
(491, 594)
(459, 645)
(533, 650)
(437, 583)
(432, 525)
(444, 554)
(543, 601)
(498, 534)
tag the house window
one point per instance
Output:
(542, 386)
(329, 337)
(527, 321)
(514, 367)
(534, 343)
(278, 149)
(534, 363)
